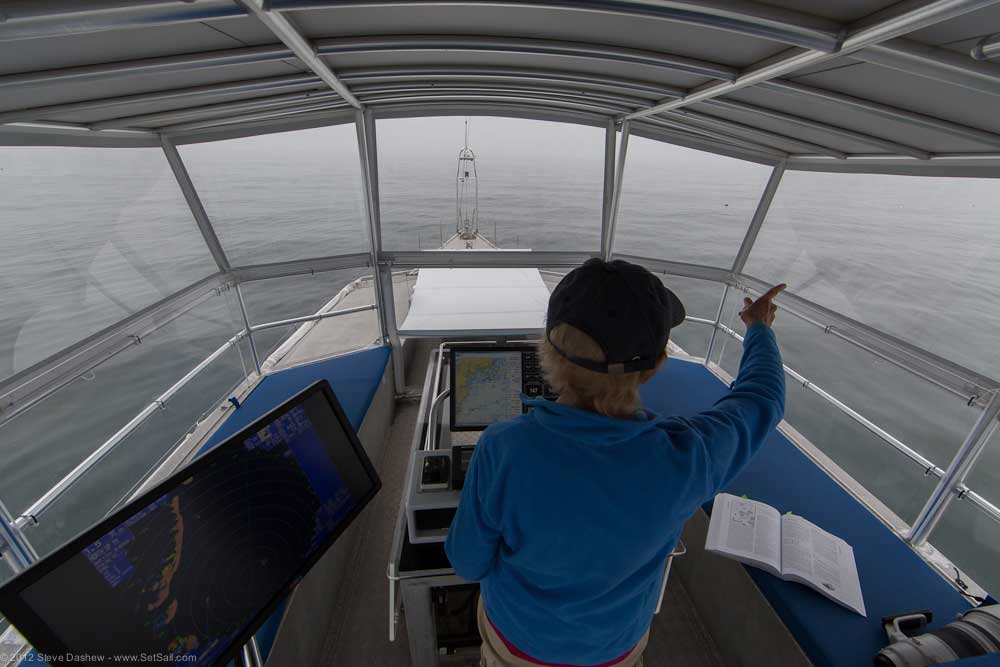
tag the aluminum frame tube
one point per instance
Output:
(247, 328)
(303, 50)
(39, 18)
(311, 318)
(917, 18)
(374, 238)
(799, 89)
(299, 267)
(191, 114)
(610, 138)
(194, 203)
(383, 271)
(30, 515)
(715, 123)
(745, 18)
(954, 478)
(715, 324)
(535, 46)
(928, 466)
(447, 259)
(682, 269)
(155, 65)
(935, 63)
(264, 84)
(988, 48)
(759, 215)
(23, 390)
(609, 246)
(878, 142)
(15, 548)
(969, 386)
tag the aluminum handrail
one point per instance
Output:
(311, 318)
(29, 516)
(929, 467)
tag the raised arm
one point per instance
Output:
(722, 440)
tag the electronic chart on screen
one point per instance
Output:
(487, 383)
(189, 571)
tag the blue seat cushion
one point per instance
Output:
(894, 579)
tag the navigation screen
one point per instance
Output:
(486, 387)
(184, 575)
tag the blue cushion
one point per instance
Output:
(894, 579)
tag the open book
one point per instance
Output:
(787, 546)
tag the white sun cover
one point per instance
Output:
(467, 302)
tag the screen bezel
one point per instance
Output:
(44, 640)
(452, 351)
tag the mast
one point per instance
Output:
(466, 191)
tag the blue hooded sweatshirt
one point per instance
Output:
(567, 516)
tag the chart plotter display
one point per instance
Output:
(189, 570)
(487, 383)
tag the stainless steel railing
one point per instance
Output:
(30, 515)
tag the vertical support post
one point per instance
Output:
(382, 275)
(610, 136)
(715, 327)
(207, 231)
(194, 203)
(759, 214)
(609, 246)
(374, 240)
(246, 327)
(954, 477)
(15, 549)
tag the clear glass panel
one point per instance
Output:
(90, 236)
(916, 257)
(686, 205)
(46, 442)
(540, 183)
(921, 415)
(971, 540)
(297, 296)
(285, 196)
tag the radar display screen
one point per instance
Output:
(187, 572)
(485, 387)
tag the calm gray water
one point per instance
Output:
(91, 235)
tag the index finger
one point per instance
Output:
(773, 292)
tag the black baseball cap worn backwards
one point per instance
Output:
(623, 307)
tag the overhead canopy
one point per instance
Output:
(861, 85)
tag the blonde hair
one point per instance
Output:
(614, 395)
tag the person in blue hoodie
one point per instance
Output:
(569, 511)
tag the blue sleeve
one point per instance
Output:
(722, 440)
(474, 536)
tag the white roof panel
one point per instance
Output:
(454, 302)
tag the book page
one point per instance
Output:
(746, 530)
(822, 561)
